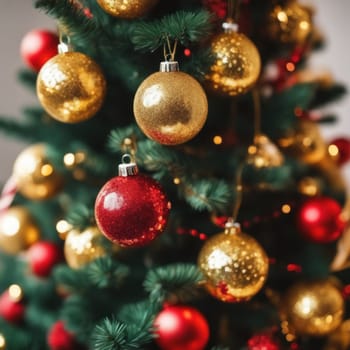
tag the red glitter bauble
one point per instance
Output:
(11, 310)
(343, 145)
(43, 256)
(319, 219)
(181, 328)
(131, 210)
(58, 338)
(262, 342)
(37, 47)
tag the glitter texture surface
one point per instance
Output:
(71, 87)
(237, 64)
(234, 265)
(127, 8)
(170, 107)
(313, 308)
(131, 210)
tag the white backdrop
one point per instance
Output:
(17, 17)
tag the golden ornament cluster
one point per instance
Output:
(71, 87)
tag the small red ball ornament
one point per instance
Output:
(343, 147)
(181, 328)
(12, 308)
(131, 209)
(37, 47)
(43, 256)
(59, 338)
(319, 219)
(262, 342)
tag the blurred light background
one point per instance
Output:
(17, 17)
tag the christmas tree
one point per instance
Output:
(176, 191)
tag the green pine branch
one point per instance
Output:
(177, 279)
(71, 18)
(133, 330)
(81, 215)
(185, 27)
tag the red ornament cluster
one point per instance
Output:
(43, 256)
(181, 327)
(37, 47)
(319, 220)
(131, 209)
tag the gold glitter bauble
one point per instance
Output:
(127, 8)
(18, 231)
(313, 308)
(263, 153)
(71, 87)
(236, 66)
(290, 23)
(83, 247)
(35, 176)
(234, 265)
(170, 107)
(305, 142)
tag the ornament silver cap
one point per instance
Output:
(169, 66)
(127, 167)
(230, 27)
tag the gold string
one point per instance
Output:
(232, 10)
(169, 51)
(257, 112)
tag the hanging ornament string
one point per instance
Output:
(257, 112)
(239, 193)
(169, 50)
(232, 11)
(129, 147)
(64, 42)
(262, 153)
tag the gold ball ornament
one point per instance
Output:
(234, 265)
(237, 63)
(263, 153)
(71, 87)
(83, 247)
(313, 308)
(170, 106)
(305, 142)
(35, 176)
(128, 9)
(290, 23)
(18, 231)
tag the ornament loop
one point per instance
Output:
(128, 166)
(64, 44)
(168, 51)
